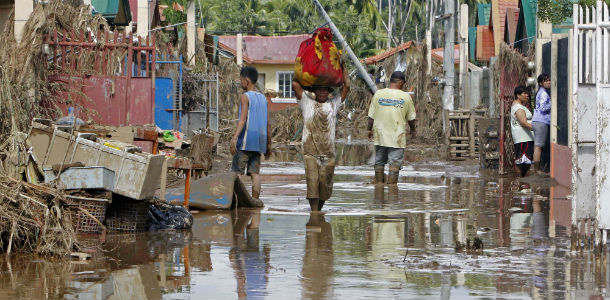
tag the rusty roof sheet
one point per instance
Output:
(381, 56)
(438, 54)
(498, 20)
(265, 49)
(485, 43)
(512, 19)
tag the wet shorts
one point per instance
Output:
(319, 172)
(541, 133)
(244, 159)
(387, 155)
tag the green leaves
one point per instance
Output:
(554, 11)
(358, 20)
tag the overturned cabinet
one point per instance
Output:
(135, 174)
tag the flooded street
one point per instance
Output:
(372, 242)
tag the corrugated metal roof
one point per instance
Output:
(498, 20)
(483, 13)
(265, 49)
(485, 43)
(512, 17)
(527, 18)
(381, 56)
(438, 54)
(472, 42)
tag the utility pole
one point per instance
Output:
(428, 37)
(191, 32)
(448, 55)
(363, 73)
(463, 39)
(389, 24)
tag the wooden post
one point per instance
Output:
(163, 179)
(471, 126)
(187, 188)
(240, 49)
(463, 39)
(191, 33)
(448, 56)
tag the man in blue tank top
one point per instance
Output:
(250, 138)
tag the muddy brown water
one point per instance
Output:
(372, 242)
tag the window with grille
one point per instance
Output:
(284, 84)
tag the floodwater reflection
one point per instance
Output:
(373, 241)
(317, 273)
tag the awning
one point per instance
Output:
(117, 12)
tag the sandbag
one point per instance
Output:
(318, 61)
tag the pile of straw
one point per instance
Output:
(25, 88)
(33, 219)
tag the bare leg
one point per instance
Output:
(256, 185)
(537, 153)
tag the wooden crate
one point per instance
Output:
(463, 139)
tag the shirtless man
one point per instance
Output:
(319, 117)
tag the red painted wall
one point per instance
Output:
(107, 99)
(561, 164)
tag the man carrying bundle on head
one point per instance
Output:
(318, 74)
(390, 111)
(319, 108)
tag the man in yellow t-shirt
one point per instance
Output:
(390, 111)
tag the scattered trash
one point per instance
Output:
(222, 220)
(70, 119)
(80, 255)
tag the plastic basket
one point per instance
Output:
(82, 222)
(127, 215)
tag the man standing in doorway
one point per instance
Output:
(390, 111)
(251, 135)
(541, 120)
(319, 110)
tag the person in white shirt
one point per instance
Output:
(319, 117)
(522, 130)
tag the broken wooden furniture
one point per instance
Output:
(489, 143)
(463, 137)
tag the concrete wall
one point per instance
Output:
(602, 166)
(23, 10)
(561, 164)
(270, 72)
(474, 89)
(6, 6)
(583, 173)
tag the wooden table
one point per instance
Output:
(180, 163)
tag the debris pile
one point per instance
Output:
(25, 88)
(34, 218)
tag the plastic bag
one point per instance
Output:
(165, 216)
(318, 61)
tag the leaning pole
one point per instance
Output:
(351, 54)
